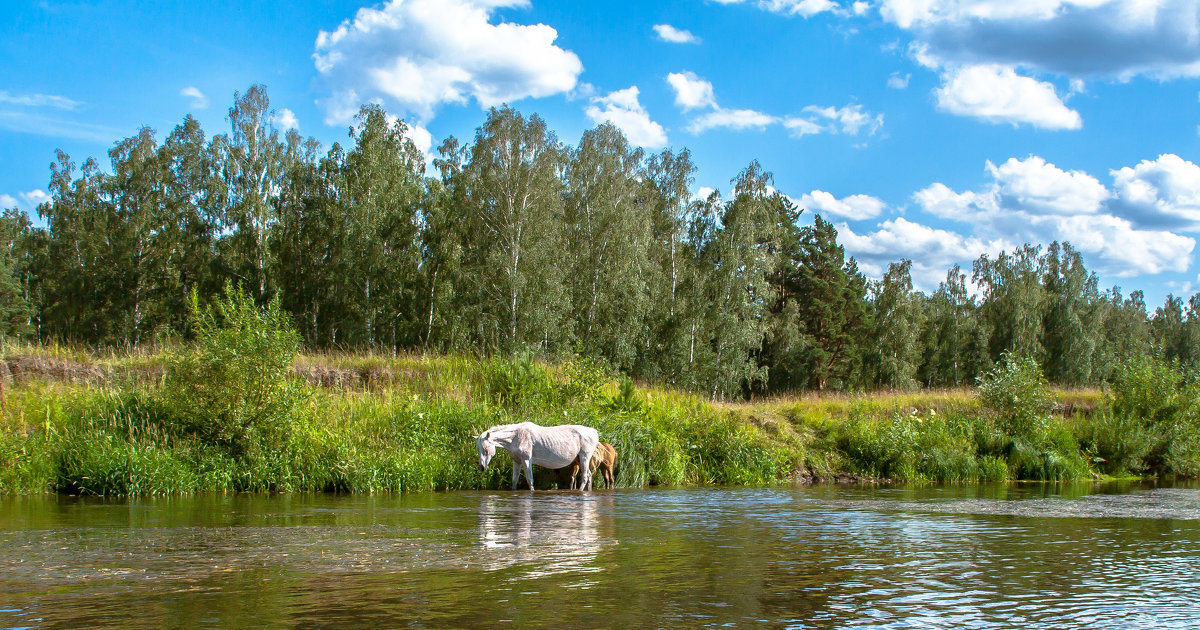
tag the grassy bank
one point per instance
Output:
(242, 410)
(405, 424)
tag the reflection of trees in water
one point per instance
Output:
(546, 534)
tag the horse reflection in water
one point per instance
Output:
(549, 534)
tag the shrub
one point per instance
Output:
(518, 383)
(1017, 394)
(1147, 389)
(235, 387)
(1117, 442)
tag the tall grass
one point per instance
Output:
(405, 424)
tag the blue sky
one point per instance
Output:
(935, 130)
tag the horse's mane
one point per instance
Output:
(501, 431)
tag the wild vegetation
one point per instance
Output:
(238, 410)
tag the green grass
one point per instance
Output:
(370, 423)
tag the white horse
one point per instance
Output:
(548, 447)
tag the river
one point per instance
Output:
(999, 556)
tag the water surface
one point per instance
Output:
(824, 557)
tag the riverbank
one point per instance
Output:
(104, 424)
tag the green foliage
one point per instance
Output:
(1147, 389)
(518, 383)
(1117, 443)
(917, 447)
(235, 387)
(1019, 397)
(583, 379)
(1153, 421)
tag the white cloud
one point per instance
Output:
(418, 54)
(1035, 185)
(622, 109)
(939, 200)
(854, 207)
(1034, 201)
(703, 192)
(691, 92)
(423, 140)
(802, 126)
(1160, 192)
(199, 100)
(1116, 38)
(848, 120)
(35, 197)
(897, 82)
(285, 119)
(7, 201)
(39, 100)
(806, 8)
(737, 119)
(998, 94)
(932, 251)
(1122, 250)
(669, 33)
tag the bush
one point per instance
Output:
(1017, 394)
(1117, 442)
(1146, 389)
(518, 383)
(1154, 423)
(235, 387)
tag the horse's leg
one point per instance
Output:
(516, 473)
(585, 464)
(574, 472)
(529, 472)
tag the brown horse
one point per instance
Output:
(604, 458)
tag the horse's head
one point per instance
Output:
(486, 449)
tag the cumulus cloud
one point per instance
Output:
(35, 197)
(199, 100)
(978, 45)
(1122, 249)
(691, 92)
(998, 94)
(854, 207)
(1115, 38)
(932, 250)
(1041, 187)
(622, 109)
(1160, 192)
(418, 54)
(423, 140)
(7, 201)
(285, 119)
(1032, 200)
(669, 33)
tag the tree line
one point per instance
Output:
(517, 242)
